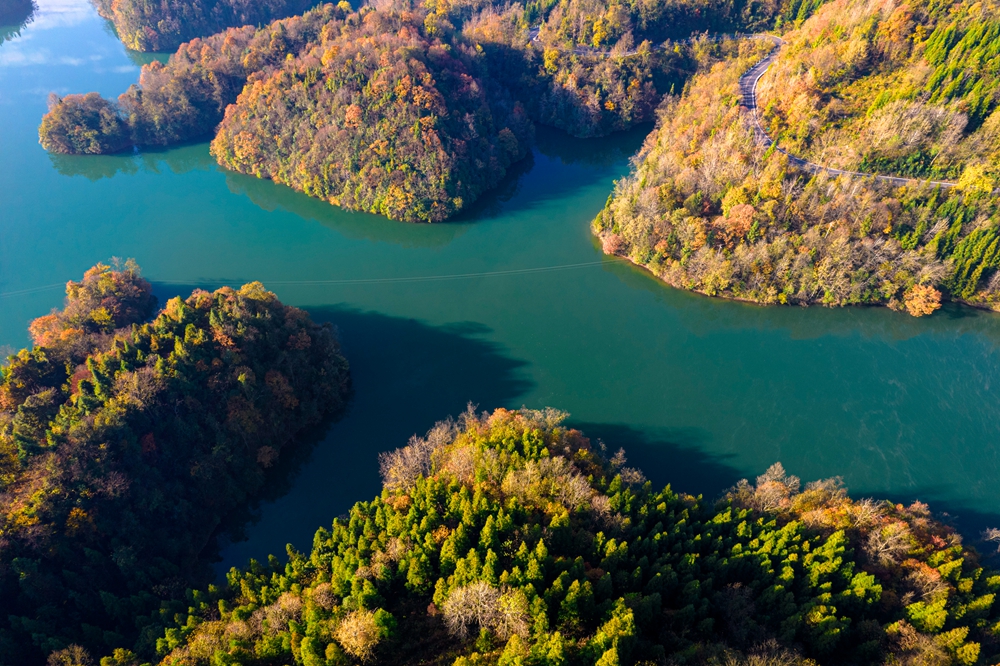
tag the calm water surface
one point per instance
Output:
(700, 392)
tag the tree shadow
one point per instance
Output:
(493, 202)
(271, 197)
(558, 165)
(667, 456)
(602, 151)
(179, 159)
(406, 375)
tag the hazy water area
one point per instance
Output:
(511, 305)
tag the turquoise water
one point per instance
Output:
(700, 392)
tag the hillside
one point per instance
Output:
(408, 110)
(381, 111)
(711, 209)
(902, 87)
(143, 25)
(125, 442)
(506, 538)
(387, 115)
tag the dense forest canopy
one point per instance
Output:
(388, 115)
(125, 441)
(859, 85)
(406, 109)
(906, 87)
(185, 98)
(162, 25)
(506, 538)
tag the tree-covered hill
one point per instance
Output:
(162, 25)
(389, 114)
(407, 109)
(381, 110)
(907, 88)
(125, 441)
(903, 88)
(506, 538)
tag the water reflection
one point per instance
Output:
(553, 148)
(139, 58)
(702, 315)
(59, 13)
(271, 196)
(14, 16)
(193, 157)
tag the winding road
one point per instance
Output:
(748, 94)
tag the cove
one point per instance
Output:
(700, 392)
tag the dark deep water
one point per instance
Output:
(700, 392)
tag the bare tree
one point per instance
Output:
(601, 506)
(776, 474)
(549, 478)
(140, 388)
(770, 653)
(633, 476)
(74, 655)
(480, 605)
(888, 543)
(474, 605)
(288, 607)
(926, 581)
(866, 513)
(401, 468)
(992, 534)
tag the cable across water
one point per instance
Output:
(359, 281)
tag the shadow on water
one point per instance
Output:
(675, 457)
(271, 197)
(494, 202)
(406, 375)
(667, 456)
(702, 314)
(544, 169)
(599, 152)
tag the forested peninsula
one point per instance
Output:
(407, 110)
(414, 110)
(508, 538)
(127, 436)
(905, 88)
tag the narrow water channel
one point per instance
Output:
(700, 392)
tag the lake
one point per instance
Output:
(511, 305)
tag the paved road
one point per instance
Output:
(748, 94)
